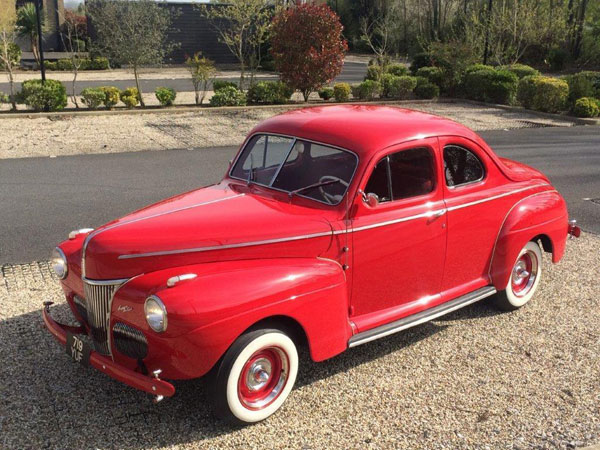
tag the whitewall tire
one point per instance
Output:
(525, 276)
(255, 376)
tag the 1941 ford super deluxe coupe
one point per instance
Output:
(333, 226)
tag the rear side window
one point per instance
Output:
(461, 166)
(408, 173)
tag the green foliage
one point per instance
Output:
(521, 70)
(476, 67)
(326, 93)
(99, 63)
(50, 96)
(269, 92)
(543, 93)
(65, 64)
(583, 84)
(397, 69)
(367, 90)
(587, 107)
(228, 96)
(557, 58)
(435, 75)
(397, 86)
(491, 85)
(4, 98)
(420, 60)
(14, 56)
(130, 96)
(425, 89)
(373, 72)
(453, 58)
(93, 97)
(165, 95)
(202, 71)
(112, 95)
(220, 84)
(341, 92)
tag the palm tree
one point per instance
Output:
(27, 26)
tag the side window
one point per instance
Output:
(461, 166)
(404, 174)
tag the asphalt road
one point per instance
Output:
(352, 72)
(42, 199)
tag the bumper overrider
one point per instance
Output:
(150, 384)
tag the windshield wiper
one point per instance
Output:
(311, 186)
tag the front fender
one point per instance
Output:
(207, 314)
(540, 214)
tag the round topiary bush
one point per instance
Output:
(165, 96)
(93, 97)
(326, 93)
(130, 97)
(220, 84)
(435, 75)
(491, 85)
(543, 93)
(583, 84)
(374, 72)
(397, 86)
(341, 92)
(49, 96)
(228, 96)
(367, 90)
(521, 70)
(587, 107)
(425, 89)
(420, 60)
(269, 92)
(397, 69)
(112, 95)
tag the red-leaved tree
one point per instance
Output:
(308, 47)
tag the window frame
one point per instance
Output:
(294, 139)
(434, 168)
(477, 157)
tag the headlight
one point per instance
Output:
(156, 314)
(59, 263)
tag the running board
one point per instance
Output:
(421, 317)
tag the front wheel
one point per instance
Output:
(524, 279)
(255, 376)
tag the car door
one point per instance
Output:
(399, 244)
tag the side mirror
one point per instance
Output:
(370, 199)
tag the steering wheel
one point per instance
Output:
(329, 197)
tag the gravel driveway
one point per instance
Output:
(474, 379)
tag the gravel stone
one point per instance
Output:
(475, 379)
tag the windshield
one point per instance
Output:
(296, 166)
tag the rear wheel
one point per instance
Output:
(255, 376)
(524, 279)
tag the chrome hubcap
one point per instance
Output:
(259, 374)
(263, 378)
(524, 273)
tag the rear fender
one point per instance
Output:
(540, 214)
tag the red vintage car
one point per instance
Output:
(333, 226)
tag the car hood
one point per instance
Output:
(216, 223)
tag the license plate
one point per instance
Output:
(78, 350)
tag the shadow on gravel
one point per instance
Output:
(51, 402)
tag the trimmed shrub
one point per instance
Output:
(587, 107)
(397, 69)
(397, 87)
(477, 67)
(112, 95)
(99, 63)
(557, 58)
(425, 89)
(269, 92)
(50, 96)
(4, 98)
(583, 84)
(341, 92)
(130, 97)
(490, 85)
(165, 95)
(521, 70)
(435, 75)
(93, 97)
(367, 90)
(220, 84)
(50, 65)
(326, 93)
(373, 73)
(65, 64)
(14, 55)
(543, 93)
(228, 96)
(420, 60)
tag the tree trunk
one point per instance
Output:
(137, 85)
(73, 84)
(579, 28)
(306, 94)
(11, 81)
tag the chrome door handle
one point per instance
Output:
(439, 213)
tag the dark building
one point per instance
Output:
(55, 16)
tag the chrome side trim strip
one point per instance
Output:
(94, 233)
(104, 282)
(428, 214)
(421, 317)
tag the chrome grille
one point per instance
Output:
(130, 341)
(99, 298)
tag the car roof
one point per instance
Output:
(364, 129)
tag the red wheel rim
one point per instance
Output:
(524, 274)
(263, 378)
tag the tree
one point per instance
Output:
(72, 40)
(10, 53)
(308, 47)
(379, 33)
(202, 71)
(27, 27)
(131, 32)
(243, 25)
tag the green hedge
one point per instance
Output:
(543, 93)
(269, 92)
(220, 84)
(587, 107)
(583, 84)
(521, 70)
(367, 90)
(435, 75)
(99, 63)
(420, 60)
(228, 96)
(165, 95)
(50, 96)
(397, 86)
(130, 97)
(341, 92)
(491, 85)
(112, 95)
(326, 93)
(425, 89)
(397, 69)
(93, 97)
